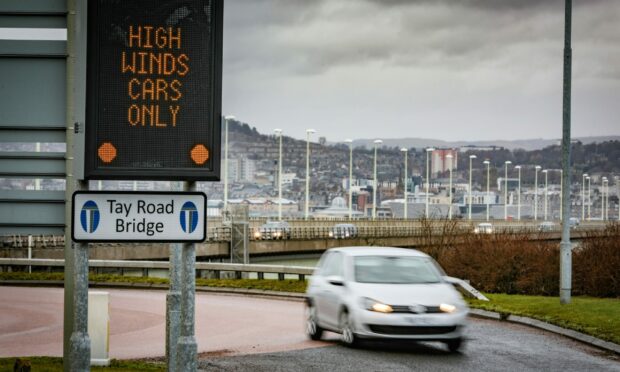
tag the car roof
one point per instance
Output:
(378, 251)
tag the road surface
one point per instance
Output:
(236, 333)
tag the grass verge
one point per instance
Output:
(598, 317)
(296, 286)
(50, 364)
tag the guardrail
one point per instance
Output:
(203, 269)
(365, 229)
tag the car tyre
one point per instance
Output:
(347, 334)
(455, 344)
(313, 330)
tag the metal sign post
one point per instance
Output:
(187, 349)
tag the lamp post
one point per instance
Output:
(537, 168)
(546, 172)
(603, 199)
(589, 199)
(375, 183)
(506, 163)
(308, 133)
(488, 164)
(279, 134)
(449, 156)
(350, 142)
(404, 151)
(226, 120)
(428, 150)
(471, 158)
(518, 168)
(617, 181)
(583, 196)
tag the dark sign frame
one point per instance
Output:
(136, 193)
(94, 99)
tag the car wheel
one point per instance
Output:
(347, 334)
(313, 330)
(455, 344)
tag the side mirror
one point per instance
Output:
(335, 280)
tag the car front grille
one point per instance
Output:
(407, 309)
(410, 330)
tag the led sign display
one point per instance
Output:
(154, 89)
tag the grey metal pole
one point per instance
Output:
(561, 197)
(308, 132)
(583, 197)
(279, 133)
(374, 186)
(589, 198)
(430, 149)
(506, 189)
(226, 118)
(187, 349)
(471, 158)
(546, 172)
(350, 142)
(449, 156)
(76, 346)
(173, 299)
(536, 168)
(80, 342)
(565, 245)
(488, 163)
(404, 150)
(519, 194)
(450, 208)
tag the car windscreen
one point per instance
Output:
(395, 270)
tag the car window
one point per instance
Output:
(395, 270)
(334, 265)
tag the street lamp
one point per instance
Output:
(308, 133)
(471, 158)
(537, 168)
(617, 181)
(226, 120)
(518, 168)
(546, 172)
(583, 196)
(404, 151)
(279, 134)
(488, 164)
(375, 185)
(350, 142)
(449, 156)
(603, 199)
(506, 163)
(428, 150)
(589, 199)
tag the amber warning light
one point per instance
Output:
(154, 90)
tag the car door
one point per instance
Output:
(318, 286)
(333, 289)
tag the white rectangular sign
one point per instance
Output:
(100, 216)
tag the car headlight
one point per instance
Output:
(447, 308)
(373, 305)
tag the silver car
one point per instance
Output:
(383, 293)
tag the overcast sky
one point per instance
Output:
(445, 69)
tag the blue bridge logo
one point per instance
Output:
(89, 216)
(189, 217)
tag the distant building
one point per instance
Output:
(479, 148)
(440, 162)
